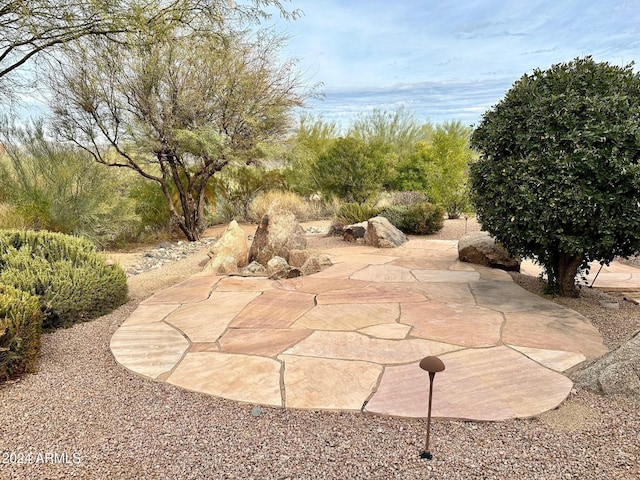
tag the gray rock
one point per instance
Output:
(355, 232)
(616, 372)
(311, 266)
(382, 234)
(255, 268)
(482, 249)
(276, 264)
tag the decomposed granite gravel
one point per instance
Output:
(83, 416)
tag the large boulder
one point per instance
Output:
(616, 372)
(277, 234)
(481, 248)
(382, 234)
(229, 253)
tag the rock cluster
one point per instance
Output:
(278, 250)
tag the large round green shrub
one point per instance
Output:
(20, 329)
(67, 274)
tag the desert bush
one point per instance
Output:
(350, 213)
(67, 274)
(392, 199)
(419, 219)
(238, 186)
(20, 328)
(303, 209)
(58, 187)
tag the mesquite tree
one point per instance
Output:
(558, 177)
(176, 108)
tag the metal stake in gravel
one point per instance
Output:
(431, 365)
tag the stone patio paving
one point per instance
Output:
(351, 337)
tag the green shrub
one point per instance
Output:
(58, 187)
(419, 219)
(350, 213)
(67, 274)
(20, 328)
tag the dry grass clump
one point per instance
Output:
(303, 209)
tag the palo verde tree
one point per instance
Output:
(176, 106)
(439, 167)
(31, 28)
(558, 177)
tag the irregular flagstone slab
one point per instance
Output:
(195, 289)
(478, 384)
(375, 293)
(463, 267)
(363, 258)
(384, 273)
(274, 309)
(313, 383)
(150, 313)
(466, 325)
(339, 270)
(509, 297)
(246, 284)
(554, 359)
(422, 244)
(430, 263)
(446, 276)
(263, 342)
(350, 249)
(315, 284)
(355, 346)
(443, 292)
(488, 274)
(150, 349)
(237, 377)
(391, 331)
(204, 347)
(561, 329)
(206, 321)
(348, 317)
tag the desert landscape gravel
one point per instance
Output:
(84, 416)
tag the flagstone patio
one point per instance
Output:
(351, 337)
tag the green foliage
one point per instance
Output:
(20, 328)
(67, 274)
(238, 187)
(150, 204)
(351, 170)
(439, 168)
(350, 213)
(418, 219)
(313, 137)
(60, 188)
(558, 177)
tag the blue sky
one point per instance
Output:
(447, 60)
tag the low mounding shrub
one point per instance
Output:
(20, 328)
(350, 213)
(67, 274)
(303, 209)
(418, 219)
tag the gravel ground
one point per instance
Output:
(84, 416)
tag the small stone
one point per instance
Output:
(256, 411)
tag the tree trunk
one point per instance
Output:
(567, 269)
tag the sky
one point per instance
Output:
(446, 60)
